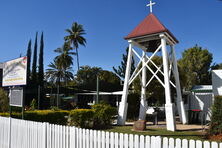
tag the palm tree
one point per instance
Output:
(64, 59)
(57, 74)
(76, 38)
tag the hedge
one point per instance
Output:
(54, 117)
(100, 116)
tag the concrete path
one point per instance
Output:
(179, 126)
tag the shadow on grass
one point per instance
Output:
(197, 129)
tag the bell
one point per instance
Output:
(153, 45)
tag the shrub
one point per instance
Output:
(100, 116)
(4, 103)
(103, 115)
(81, 118)
(216, 118)
(33, 104)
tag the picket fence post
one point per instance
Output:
(45, 135)
(9, 132)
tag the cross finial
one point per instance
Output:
(151, 5)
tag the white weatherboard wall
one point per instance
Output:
(16, 133)
(202, 101)
(217, 82)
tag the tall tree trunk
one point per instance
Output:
(58, 92)
(77, 55)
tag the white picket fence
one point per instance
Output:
(16, 133)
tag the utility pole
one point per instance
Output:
(97, 89)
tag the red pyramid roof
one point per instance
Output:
(150, 25)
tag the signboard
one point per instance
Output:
(217, 82)
(16, 97)
(14, 72)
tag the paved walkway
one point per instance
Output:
(179, 126)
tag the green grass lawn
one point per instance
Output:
(159, 132)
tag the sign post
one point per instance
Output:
(14, 77)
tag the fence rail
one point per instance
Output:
(15, 133)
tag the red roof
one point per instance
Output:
(150, 25)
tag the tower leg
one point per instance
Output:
(169, 107)
(180, 104)
(143, 102)
(122, 112)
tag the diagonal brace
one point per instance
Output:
(160, 70)
(133, 78)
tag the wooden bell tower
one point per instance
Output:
(153, 37)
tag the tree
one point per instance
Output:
(195, 64)
(86, 79)
(57, 74)
(34, 62)
(3, 101)
(64, 58)
(76, 38)
(29, 53)
(216, 120)
(122, 68)
(33, 85)
(41, 64)
(109, 81)
(216, 66)
(41, 72)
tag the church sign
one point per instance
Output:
(16, 97)
(14, 72)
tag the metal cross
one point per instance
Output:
(151, 5)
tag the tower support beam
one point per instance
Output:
(180, 103)
(169, 107)
(122, 112)
(143, 102)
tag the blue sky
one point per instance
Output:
(106, 23)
